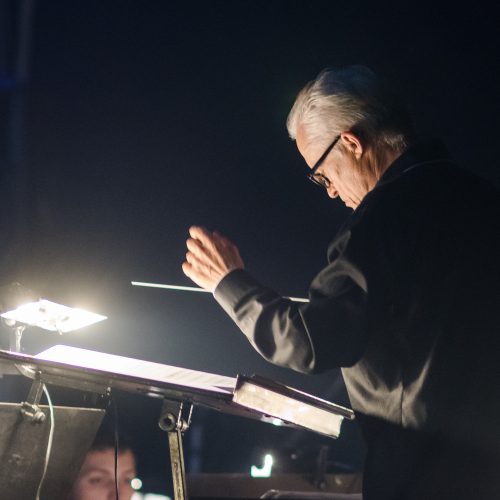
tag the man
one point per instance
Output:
(408, 304)
(96, 479)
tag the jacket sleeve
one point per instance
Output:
(327, 332)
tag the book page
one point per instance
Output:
(120, 365)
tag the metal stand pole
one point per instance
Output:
(177, 462)
(174, 424)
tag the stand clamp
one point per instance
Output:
(30, 408)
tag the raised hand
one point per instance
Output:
(210, 257)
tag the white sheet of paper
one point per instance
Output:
(120, 365)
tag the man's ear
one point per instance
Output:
(352, 143)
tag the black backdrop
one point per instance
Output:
(142, 118)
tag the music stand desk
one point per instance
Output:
(180, 388)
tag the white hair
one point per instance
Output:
(350, 99)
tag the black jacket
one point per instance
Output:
(409, 307)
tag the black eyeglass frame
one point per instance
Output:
(311, 175)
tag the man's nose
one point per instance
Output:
(332, 192)
(111, 492)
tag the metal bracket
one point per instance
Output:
(174, 422)
(30, 408)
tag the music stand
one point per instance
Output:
(180, 389)
(23, 445)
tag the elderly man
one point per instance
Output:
(408, 304)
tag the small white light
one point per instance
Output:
(136, 484)
(277, 422)
(264, 471)
(51, 316)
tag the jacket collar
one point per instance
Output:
(425, 151)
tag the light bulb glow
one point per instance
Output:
(136, 483)
(51, 316)
(265, 470)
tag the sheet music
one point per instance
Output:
(84, 358)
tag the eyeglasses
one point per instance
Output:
(313, 175)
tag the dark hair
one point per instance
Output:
(105, 438)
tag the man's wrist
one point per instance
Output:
(223, 282)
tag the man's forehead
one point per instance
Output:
(301, 141)
(104, 460)
(307, 149)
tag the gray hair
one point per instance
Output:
(351, 99)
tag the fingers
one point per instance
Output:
(210, 257)
(202, 265)
(198, 276)
(196, 265)
(208, 239)
(201, 234)
(209, 260)
(199, 251)
(187, 269)
(210, 249)
(193, 270)
(198, 232)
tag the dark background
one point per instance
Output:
(135, 120)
